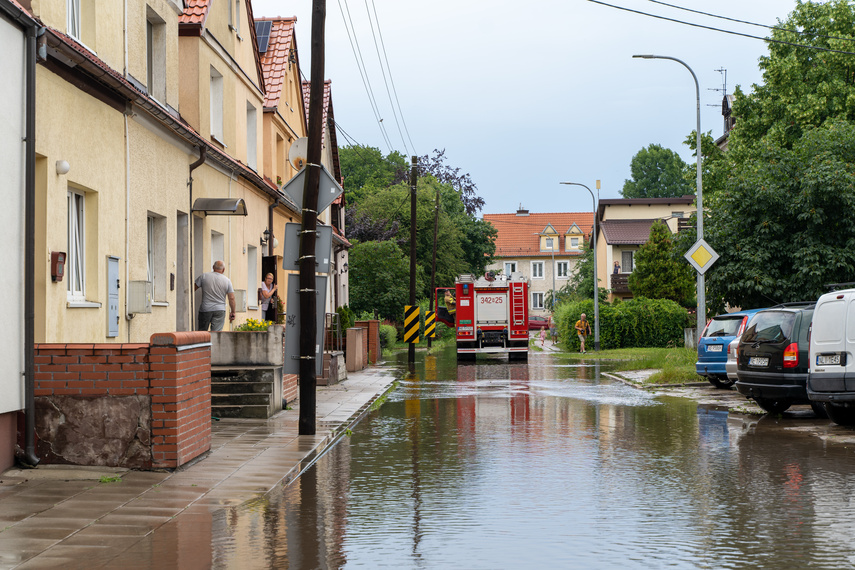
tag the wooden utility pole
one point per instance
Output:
(308, 235)
(433, 262)
(411, 349)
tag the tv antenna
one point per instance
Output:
(723, 88)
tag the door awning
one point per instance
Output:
(220, 206)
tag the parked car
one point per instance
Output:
(537, 321)
(730, 365)
(713, 345)
(772, 358)
(831, 378)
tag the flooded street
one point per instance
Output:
(497, 465)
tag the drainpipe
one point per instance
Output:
(203, 153)
(29, 458)
(270, 227)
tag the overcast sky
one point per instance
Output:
(525, 95)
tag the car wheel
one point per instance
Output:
(722, 382)
(840, 415)
(773, 406)
(818, 409)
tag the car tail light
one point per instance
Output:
(791, 355)
(742, 326)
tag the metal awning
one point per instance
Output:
(220, 206)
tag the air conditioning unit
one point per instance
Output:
(139, 297)
(240, 300)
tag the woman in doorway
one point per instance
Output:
(268, 305)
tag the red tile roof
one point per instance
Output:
(329, 121)
(195, 12)
(626, 232)
(274, 62)
(518, 235)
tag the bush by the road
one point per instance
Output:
(388, 336)
(637, 322)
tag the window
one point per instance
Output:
(562, 269)
(678, 214)
(626, 262)
(537, 300)
(216, 105)
(155, 55)
(252, 276)
(574, 242)
(237, 17)
(75, 263)
(156, 255)
(549, 243)
(510, 267)
(537, 270)
(251, 137)
(73, 18)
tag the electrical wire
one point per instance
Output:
(750, 23)
(360, 64)
(817, 48)
(391, 78)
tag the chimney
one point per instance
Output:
(522, 211)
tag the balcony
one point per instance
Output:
(620, 283)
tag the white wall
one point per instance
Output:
(12, 114)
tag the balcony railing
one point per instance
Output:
(620, 283)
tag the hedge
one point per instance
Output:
(637, 322)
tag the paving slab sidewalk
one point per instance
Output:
(85, 517)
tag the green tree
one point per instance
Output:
(365, 169)
(657, 172)
(801, 87)
(658, 274)
(379, 279)
(783, 225)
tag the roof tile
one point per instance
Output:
(518, 235)
(626, 232)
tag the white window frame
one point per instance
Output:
(623, 267)
(72, 20)
(217, 105)
(251, 136)
(537, 270)
(574, 243)
(510, 267)
(156, 255)
(155, 55)
(252, 282)
(536, 300)
(562, 270)
(76, 262)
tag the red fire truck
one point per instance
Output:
(488, 313)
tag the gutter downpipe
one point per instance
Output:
(29, 458)
(270, 209)
(203, 154)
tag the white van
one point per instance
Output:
(831, 377)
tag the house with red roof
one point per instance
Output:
(543, 247)
(623, 226)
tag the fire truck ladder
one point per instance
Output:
(518, 303)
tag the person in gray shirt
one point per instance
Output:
(215, 288)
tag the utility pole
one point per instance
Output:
(411, 349)
(433, 264)
(308, 233)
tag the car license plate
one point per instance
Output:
(713, 348)
(758, 361)
(826, 359)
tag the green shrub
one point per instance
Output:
(388, 336)
(633, 323)
(346, 318)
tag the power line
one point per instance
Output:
(391, 79)
(360, 64)
(750, 23)
(817, 48)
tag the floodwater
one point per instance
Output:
(550, 465)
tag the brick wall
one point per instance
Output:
(370, 339)
(290, 387)
(135, 405)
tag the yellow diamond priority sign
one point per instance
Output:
(701, 256)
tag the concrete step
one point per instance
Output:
(241, 387)
(240, 400)
(262, 412)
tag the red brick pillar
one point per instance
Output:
(180, 380)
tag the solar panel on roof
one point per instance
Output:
(262, 32)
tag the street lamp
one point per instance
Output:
(596, 278)
(702, 301)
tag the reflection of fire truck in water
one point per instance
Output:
(488, 313)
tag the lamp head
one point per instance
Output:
(644, 56)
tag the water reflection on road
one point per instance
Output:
(496, 465)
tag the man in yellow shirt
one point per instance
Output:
(583, 329)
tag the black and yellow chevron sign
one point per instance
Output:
(430, 324)
(411, 324)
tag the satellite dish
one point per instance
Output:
(297, 153)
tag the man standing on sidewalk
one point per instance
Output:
(215, 288)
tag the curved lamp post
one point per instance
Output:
(702, 302)
(596, 278)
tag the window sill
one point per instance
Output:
(82, 305)
(252, 308)
(217, 140)
(160, 303)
